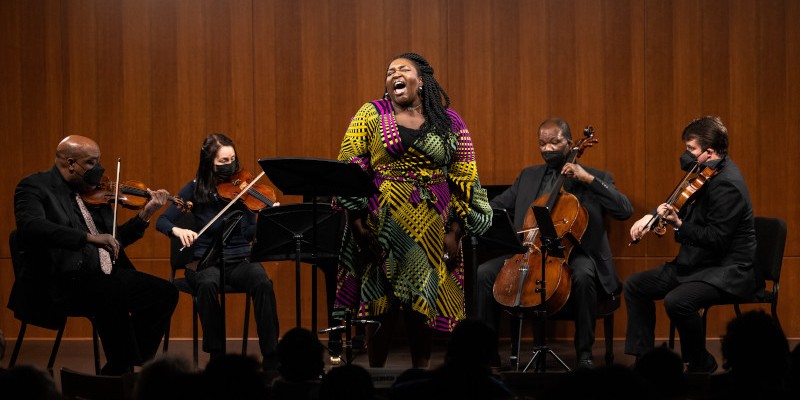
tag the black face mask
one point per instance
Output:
(688, 160)
(226, 171)
(93, 175)
(554, 159)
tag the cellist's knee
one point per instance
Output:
(488, 271)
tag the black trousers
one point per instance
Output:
(582, 303)
(682, 301)
(246, 276)
(131, 310)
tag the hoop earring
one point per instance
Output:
(386, 95)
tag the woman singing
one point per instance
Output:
(401, 249)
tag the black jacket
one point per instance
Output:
(717, 236)
(51, 240)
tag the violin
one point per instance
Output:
(256, 197)
(686, 189)
(133, 195)
(241, 187)
(513, 287)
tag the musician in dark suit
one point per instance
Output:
(593, 272)
(717, 251)
(74, 266)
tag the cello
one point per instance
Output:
(516, 284)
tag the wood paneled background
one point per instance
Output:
(148, 79)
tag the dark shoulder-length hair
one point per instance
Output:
(206, 180)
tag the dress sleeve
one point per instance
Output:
(356, 150)
(468, 202)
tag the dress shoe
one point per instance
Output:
(585, 364)
(707, 366)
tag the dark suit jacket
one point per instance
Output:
(600, 198)
(51, 237)
(717, 236)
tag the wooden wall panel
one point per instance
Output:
(148, 79)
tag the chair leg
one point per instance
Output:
(774, 309)
(166, 338)
(194, 331)
(671, 335)
(96, 348)
(56, 345)
(18, 344)
(246, 324)
(608, 331)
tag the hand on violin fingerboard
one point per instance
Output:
(158, 198)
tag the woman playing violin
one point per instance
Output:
(717, 251)
(217, 165)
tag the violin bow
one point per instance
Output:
(230, 203)
(116, 203)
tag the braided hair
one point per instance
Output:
(433, 108)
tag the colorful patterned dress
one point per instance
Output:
(423, 185)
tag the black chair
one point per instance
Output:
(178, 261)
(78, 385)
(16, 261)
(771, 241)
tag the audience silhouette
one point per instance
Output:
(167, 378)
(351, 382)
(301, 365)
(757, 363)
(25, 382)
(662, 372)
(234, 377)
(466, 372)
(756, 356)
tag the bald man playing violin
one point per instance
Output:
(717, 251)
(72, 265)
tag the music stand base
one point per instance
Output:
(540, 357)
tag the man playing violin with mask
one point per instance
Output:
(72, 265)
(593, 273)
(716, 256)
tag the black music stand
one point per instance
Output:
(501, 239)
(317, 177)
(215, 255)
(285, 233)
(551, 244)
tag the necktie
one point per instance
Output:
(105, 257)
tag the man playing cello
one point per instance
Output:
(593, 273)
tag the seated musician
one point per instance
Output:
(593, 273)
(72, 265)
(217, 164)
(716, 232)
